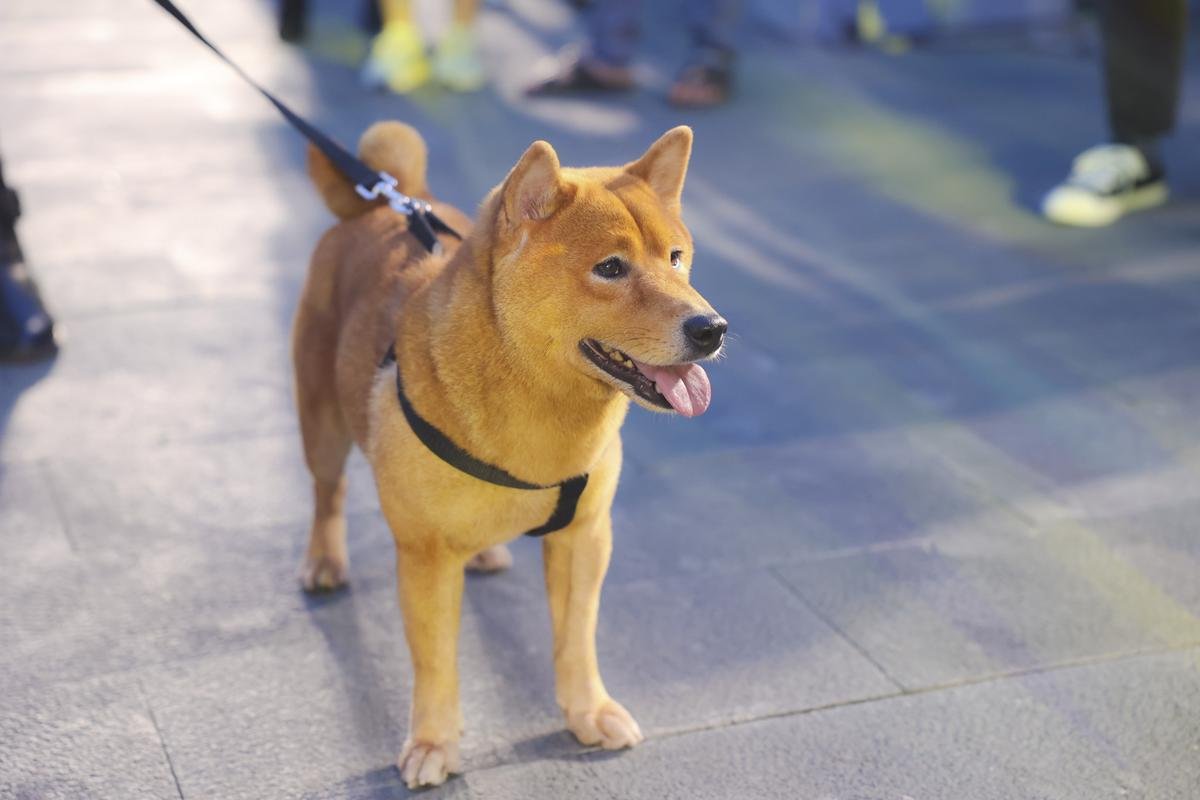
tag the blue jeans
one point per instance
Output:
(614, 26)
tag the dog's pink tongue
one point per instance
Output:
(685, 386)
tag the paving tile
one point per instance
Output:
(560, 777)
(327, 710)
(1076, 734)
(714, 650)
(693, 651)
(990, 601)
(140, 380)
(185, 495)
(702, 651)
(47, 601)
(234, 256)
(94, 739)
(771, 504)
(100, 612)
(964, 437)
(31, 526)
(1147, 520)
(1162, 544)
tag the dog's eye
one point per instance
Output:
(676, 258)
(611, 268)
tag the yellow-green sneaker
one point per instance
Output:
(397, 59)
(456, 62)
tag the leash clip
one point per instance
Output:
(386, 187)
(418, 211)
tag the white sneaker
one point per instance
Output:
(1106, 181)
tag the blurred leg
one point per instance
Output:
(1143, 64)
(397, 57)
(293, 18)
(26, 330)
(465, 10)
(707, 77)
(613, 29)
(604, 65)
(395, 11)
(456, 63)
(713, 24)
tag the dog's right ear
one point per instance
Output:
(533, 189)
(664, 165)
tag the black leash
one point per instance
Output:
(442, 446)
(370, 185)
(425, 225)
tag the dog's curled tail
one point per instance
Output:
(391, 147)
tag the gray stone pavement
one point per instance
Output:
(937, 537)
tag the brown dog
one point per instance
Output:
(522, 346)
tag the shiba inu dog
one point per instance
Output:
(519, 349)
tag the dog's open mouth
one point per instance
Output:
(683, 388)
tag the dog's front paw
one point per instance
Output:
(426, 764)
(608, 725)
(323, 573)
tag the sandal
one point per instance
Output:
(577, 77)
(703, 83)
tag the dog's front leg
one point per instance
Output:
(431, 587)
(576, 559)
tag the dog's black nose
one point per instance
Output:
(706, 333)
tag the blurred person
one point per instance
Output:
(1143, 66)
(604, 64)
(26, 330)
(398, 59)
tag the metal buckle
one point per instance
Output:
(419, 212)
(386, 188)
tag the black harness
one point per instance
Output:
(442, 446)
(425, 226)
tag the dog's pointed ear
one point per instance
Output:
(534, 188)
(664, 165)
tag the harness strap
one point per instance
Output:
(370, 184)
(442, 446)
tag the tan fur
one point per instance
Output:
(487, 342)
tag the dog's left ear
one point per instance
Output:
(664, 166)
(534, 188)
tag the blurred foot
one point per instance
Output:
(705, 81)
(1106, 182)
(456, 63)
(26, 330)
(580, 75)
(397, 59)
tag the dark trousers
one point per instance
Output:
(613, 27)
(10, 209)
(1143, 64)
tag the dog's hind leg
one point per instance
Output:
(327, 443)
(326, 562)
